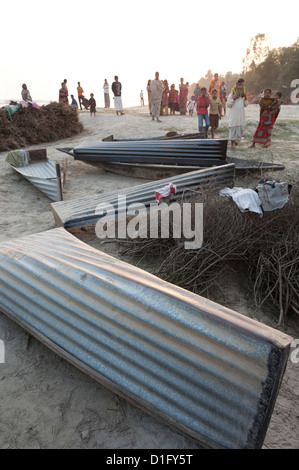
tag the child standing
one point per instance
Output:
(92, 104)
(274, 108)
(203, 102)
(191, 105)
(215, 112)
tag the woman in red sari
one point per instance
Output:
(264, 129)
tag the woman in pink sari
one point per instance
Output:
(183, 97)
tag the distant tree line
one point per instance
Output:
(262, 68)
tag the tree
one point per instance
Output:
(257, 51)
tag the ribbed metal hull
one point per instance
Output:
(203, 368)
(198, 152)
(43, 176)
(83, 211)
(168, 136)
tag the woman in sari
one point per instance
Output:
(183, 97)
(264, 129)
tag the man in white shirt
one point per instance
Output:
(106, 94)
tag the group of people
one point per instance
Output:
(211, 105)
(162, 99)
(170, 98)
(91, 102)
(87, 103)
(269, 109)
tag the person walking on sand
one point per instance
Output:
(183, 96)
(148, 89)
(92, 104)
(191, 105)
(172, 98)
(215, 84)
(141, 98)
(203, 102)
(236, 102)
(80, 92)
(116, 89)
(196, 92)
(164, 103)
(269, 110)
(215, 112)
(156, 97)
(106, 94)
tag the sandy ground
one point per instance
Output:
(48, 403)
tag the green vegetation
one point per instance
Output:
(262, 67)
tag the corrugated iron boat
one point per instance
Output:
(38, 169)
(161, 158)
(205, 369)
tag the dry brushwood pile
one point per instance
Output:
(268, 248)
(29, 126)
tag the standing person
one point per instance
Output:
(165, 93)
(116, 89)
(80, 93)
(191, 105)
(172, 99)
(156, 97)
(274, 108)
(106, 94)
(237, 103)
(25, 93)
(215, 84)
(269, 109)
(148, 89)
(215, 112)
(223, 88)
(66, 88)
(240, 81)
(92, 104)
(196, 92)
(63, 94)
(183, 97)
(224, 100)
(203, 102)
(141, 98)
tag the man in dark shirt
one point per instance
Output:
(116, 89)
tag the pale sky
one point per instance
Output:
(44, 42)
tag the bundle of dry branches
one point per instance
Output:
(268, 247)
(30, 125)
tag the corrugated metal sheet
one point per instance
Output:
(82, 211)
(168, 136)
(43, 176)
(201, 152)
(203, 368)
